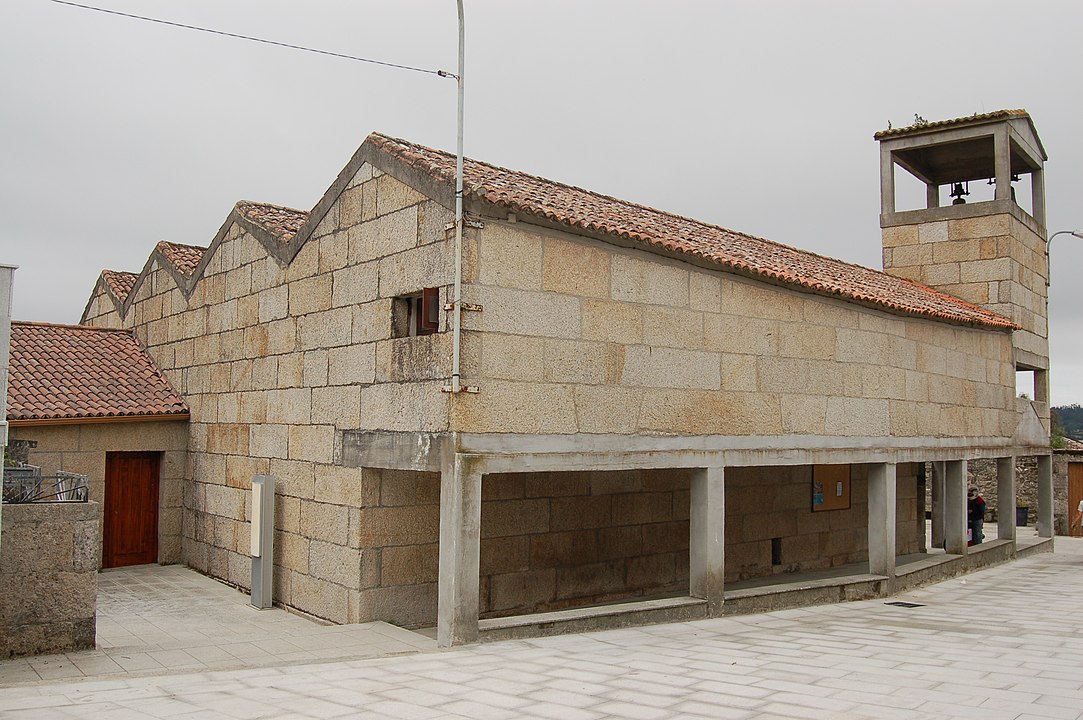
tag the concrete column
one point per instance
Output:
(1037, 196)
(1002, 163)
(706, 542)
(1041, 386)
(1045, 496)
(887, 181)
(955, 507)
(1006, 498)
(937, 491)
(460, 551)
(882, 519)
(932, 195)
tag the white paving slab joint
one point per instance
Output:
(1004, 643)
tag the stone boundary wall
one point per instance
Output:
(49, 559)
(764, 503)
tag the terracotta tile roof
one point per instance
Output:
(975, 119)
(185, 258)
(121, 283)
(1074, 445)
(655, 229)
(282, 222)
(74, 371)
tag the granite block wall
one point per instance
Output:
(600, 339)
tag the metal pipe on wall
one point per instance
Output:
(456, 337)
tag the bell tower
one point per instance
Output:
(988, 252)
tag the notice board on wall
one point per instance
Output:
(830, 487)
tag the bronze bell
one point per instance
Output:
(957, 192)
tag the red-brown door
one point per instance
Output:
(130, 515)
(1075, 495)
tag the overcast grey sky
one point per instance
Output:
(758, 116)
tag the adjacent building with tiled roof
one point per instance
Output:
(587, 400)
(79, 373)
(91, 401)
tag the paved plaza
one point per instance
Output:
(1001, 644)
(154, 619)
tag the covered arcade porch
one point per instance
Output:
(464, 461)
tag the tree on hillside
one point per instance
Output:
(1069, 419)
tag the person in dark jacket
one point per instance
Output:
(975, 515)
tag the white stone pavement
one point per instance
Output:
(154, 619)
(1001, 644)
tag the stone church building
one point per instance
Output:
(658, 418)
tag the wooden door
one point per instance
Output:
(1075, 494)
(130, 514)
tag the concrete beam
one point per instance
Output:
(955, 507)
(1006, 498)
(881, 510)
(417, 451)
(460, 551)
(525, 453)
(707, 538)
(956, 212)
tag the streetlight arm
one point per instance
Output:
(1049, 244)
(1077, 233)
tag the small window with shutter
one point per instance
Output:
(416, 314)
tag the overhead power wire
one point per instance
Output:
(441, 73)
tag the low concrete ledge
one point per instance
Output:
(784, 596)
(914, 573)
(1043, 545)
(603, 617)
(988, 554)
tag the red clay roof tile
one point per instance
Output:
(63, 372)
(121, 283)
(185, 258)
(282, 222)
(746, 254)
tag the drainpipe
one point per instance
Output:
(456, 337)
(7, 273)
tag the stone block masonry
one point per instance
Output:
(557, 540)
(776, 502)
(49, 558)
(685, 351)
